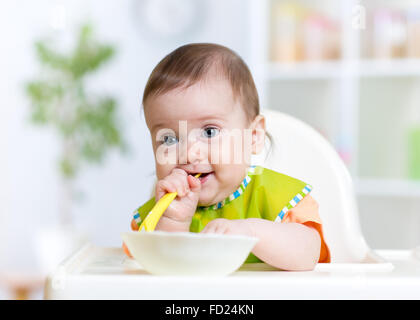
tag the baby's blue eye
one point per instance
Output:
(210, 132)
(169, 140)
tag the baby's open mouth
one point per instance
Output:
(203, 175)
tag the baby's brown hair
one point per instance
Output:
(191, 63)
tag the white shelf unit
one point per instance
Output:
(326, 87)
(362, 106)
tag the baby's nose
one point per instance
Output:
(197, 152)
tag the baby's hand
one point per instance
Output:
(226, 226)
(188, 188)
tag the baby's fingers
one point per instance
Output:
(214, 227)
(194, 184)
(208, 229)
(163, 187)
(181, 185)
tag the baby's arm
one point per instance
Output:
(287, 246)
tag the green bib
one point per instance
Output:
(263, 193)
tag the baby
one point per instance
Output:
(201, 107)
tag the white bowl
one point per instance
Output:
(187, 253)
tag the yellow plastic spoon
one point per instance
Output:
(150, 222)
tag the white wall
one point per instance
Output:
(29, 179)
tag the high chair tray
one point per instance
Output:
(106, 273)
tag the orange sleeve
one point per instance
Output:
(306, 212)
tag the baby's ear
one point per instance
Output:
(258, 134)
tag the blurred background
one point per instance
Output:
(76, 157)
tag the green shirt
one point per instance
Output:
(263, 193)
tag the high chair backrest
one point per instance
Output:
(303, 153)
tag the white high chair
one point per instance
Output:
(356, 272)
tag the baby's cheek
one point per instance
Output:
(231, 175)
(166, 158)
(163, 170)
(235, 149)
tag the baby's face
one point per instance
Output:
(191, 129)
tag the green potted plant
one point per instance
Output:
(85, 123)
